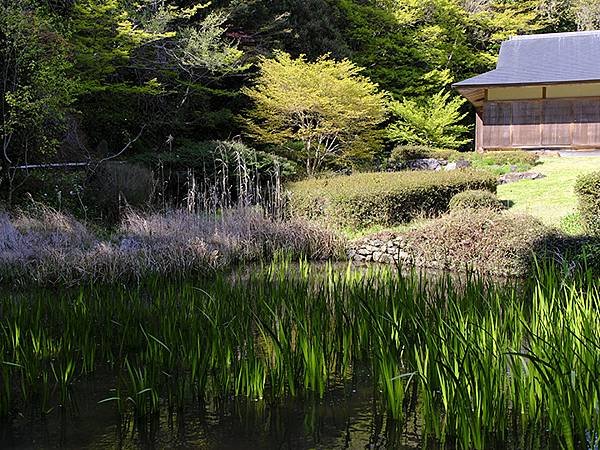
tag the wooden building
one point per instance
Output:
(543, 94)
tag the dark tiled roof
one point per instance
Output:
(544, 58)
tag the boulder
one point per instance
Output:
(460, 164)
(424, 164)
(512, 177)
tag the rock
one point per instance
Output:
(386, 259)
(512, 177)
(377, 256)
(460, 164)
(424, 164)
(403, 255)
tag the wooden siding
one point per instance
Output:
(586, 116)
(497, 120)
(526, 119)
(568, 123)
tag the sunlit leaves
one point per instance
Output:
(435, 121)
(327, 105)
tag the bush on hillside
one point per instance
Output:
(58, 188)
(505, 157)
(212, 175)
(115, 184)
(499, 243)
(476, 199)
(212, 157)
(588, 193)
(404, 153)
(386, 199)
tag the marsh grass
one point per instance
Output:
(488, 362)
(47, 247)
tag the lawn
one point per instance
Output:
(551, 199)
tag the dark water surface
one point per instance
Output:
(348, 417)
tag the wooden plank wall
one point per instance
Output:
(563, 123)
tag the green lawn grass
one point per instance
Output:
(551, 199)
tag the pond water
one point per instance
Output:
(348, 417)
(302, 356)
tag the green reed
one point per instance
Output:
(491, 361)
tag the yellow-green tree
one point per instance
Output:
(327, 105)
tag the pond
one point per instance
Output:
(303, 356)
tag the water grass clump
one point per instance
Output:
(476, 361)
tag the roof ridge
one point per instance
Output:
(523, 37)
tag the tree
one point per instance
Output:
(151, 64)
(326, 105)
(434, 121)
(414, 48)
(34, 87)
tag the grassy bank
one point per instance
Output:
(551, 199)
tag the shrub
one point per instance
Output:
(212, 175)
(475, 199)
(114, 184)
(587, 188)
(59, 188)
(403, 153)
(505, 157)
(386, 199)
(212, 157)
(500, 243)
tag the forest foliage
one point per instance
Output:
(92, 80)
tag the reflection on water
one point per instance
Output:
(348, 417)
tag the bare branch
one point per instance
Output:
(124, 149)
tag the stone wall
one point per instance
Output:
(382, 248)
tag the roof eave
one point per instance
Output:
(461, 84)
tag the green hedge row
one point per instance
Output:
(588, 193)
(382, 198)
(475, 199)
(403, 153)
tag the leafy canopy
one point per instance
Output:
(327, 105)
(35, 90)
(435, 121)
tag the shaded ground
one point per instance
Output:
(552, 199)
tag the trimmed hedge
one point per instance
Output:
(587, 189)
(475, 199)
(382, 198)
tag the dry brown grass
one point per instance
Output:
(488, 241)
(49, 247)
